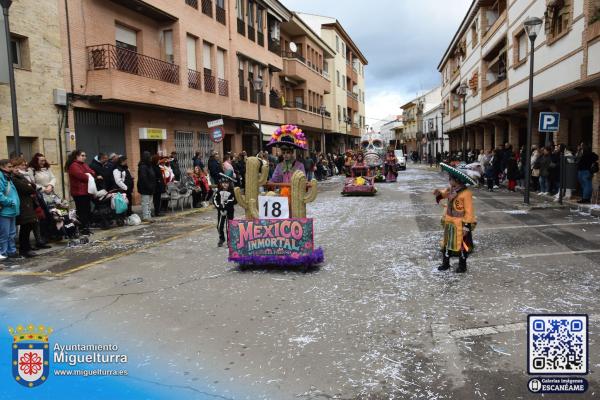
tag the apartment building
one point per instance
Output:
(150, 75)
(490, 54)
(346, 99)
(305, 81)
(38, 71)
(411, 134)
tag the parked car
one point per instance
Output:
(401, 159)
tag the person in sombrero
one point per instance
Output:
(459, 218)
(288, 138)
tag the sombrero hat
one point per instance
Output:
(462, 176)
(289, 136)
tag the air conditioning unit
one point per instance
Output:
(60, 97)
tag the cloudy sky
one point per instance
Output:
(403, 40)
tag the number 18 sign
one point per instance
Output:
(271, 207)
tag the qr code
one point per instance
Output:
(557, 344)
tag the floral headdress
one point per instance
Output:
(290, 136)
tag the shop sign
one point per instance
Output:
(153, 134)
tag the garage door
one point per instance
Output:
(99, 132)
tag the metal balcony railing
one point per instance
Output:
(275, 101)
(193, 3)
(207, 7)
(209, 83)
(221, 15)
(108, 56)
(244, 93)
(263, 100)
(260, 38)
(241, 27)
(223, 87)
(292, 54)
(274, 47)
(297, 104)
(194, 79)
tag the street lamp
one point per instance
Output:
(258, 87)
(11, 77)
(462, 92)
(532, 27)
(322, 109)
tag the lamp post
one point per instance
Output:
(11, 77)
(532, 27)
(258, 87)
(462, 92)
(322, 109)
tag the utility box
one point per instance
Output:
(60, 97)
(570, 173)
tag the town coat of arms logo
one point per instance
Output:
(30, 354)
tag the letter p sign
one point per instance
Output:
(549, 122)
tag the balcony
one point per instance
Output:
(299, 113)
(244, 93)
(223, 87)
(251, 33)
(110, 57)
(207, 7)
(192, 3)
(295, 67)
(274, 47)
(353, 101)
(260, 38)
(263, 98)
(275, 102)
(221, 15)
(194, 79)
(209, 83)
(146, 9)
(351, 72)
(241, 27)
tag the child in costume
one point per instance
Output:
(224, 201)
(459, 218)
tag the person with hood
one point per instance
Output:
(27, 218)
(10, 206)
(79, 173)
(459, 218)
(512, 172)
(587, 166)
(124, 181)
(146, 184)
(224, 201)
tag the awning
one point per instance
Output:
(267, 130)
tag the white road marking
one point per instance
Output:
(560, 253)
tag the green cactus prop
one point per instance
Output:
(255, 178)
(300, 197)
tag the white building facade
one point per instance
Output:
(490, 53)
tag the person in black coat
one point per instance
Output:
(103, 173)
(497, 167)
(160, 185)
(146, 184)
(197, 161)
(27, 218)
(215, 168)
(224, 201)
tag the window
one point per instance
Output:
(337, 43)
(343, 50)
(339, 113)
(221, 63)
(19, 48)
(344, 82)
(191, 52)
(240, 9)
(250, 13)
(206, 57)
(474, 34)
(260, 26)
(557, 18)
(168, 46)
(337, 77)
(126, 38)
(192, 3)
(493, 13)
(520, 48)
(495, 65)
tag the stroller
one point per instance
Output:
(62, 223)
(103, 213)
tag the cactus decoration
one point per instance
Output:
(257, 173)
(300, 197)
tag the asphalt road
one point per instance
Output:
(376, 321)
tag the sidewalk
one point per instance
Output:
(535, 200)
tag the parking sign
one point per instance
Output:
(549, 122)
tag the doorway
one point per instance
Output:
(150, 146)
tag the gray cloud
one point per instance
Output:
(403, 40)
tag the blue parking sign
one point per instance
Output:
(549, 122)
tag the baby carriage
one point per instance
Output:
(103, 213)
(62, 223)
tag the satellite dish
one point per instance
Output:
(293, 47)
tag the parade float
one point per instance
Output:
(276, 230)
(373, 149)
(360, 182)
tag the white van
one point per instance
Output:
(401, 159)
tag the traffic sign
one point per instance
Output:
(549, 122)
(217, 134)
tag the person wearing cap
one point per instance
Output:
(124, 180)
(459, 218)
(224, 201)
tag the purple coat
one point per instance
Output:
(286, 177)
